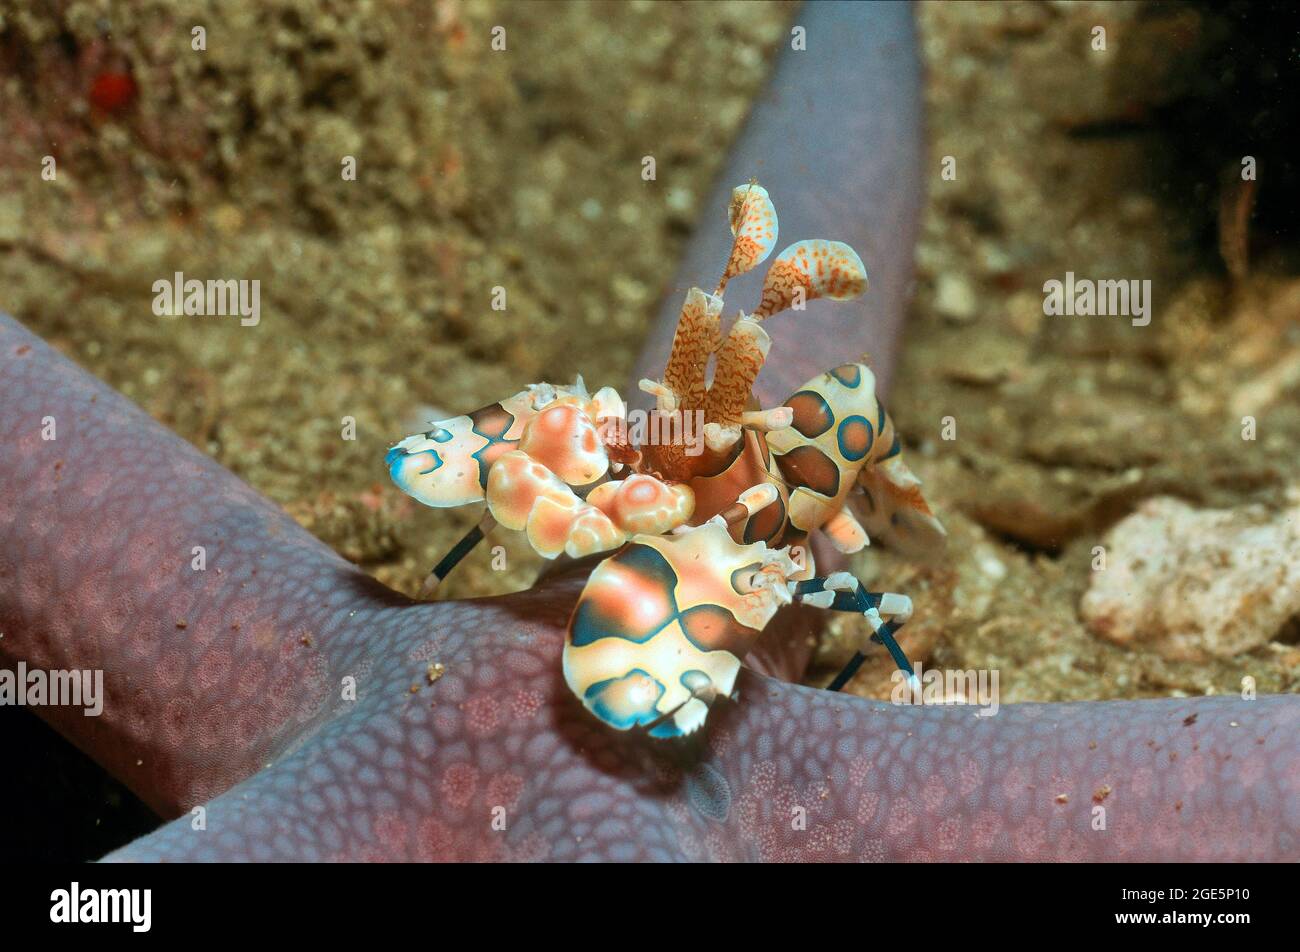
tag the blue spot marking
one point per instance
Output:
(625, 717)
(695, 679)
(847, 452)
(823, 415)
(591, 624)
(397, 456)
(437, 463)
(848, 374)
(488, 417)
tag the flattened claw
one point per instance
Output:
(438, 467)
(820, 268)
(753, 222)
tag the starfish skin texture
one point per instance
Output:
(224, 687)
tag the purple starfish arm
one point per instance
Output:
(494, 758)
(229, 682)
(790, 774)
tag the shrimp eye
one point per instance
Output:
(745, 579)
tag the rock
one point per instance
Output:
(1193, 583)
(11, 218)
(986, 360)
(954, 298)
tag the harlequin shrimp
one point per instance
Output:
(707, 541)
